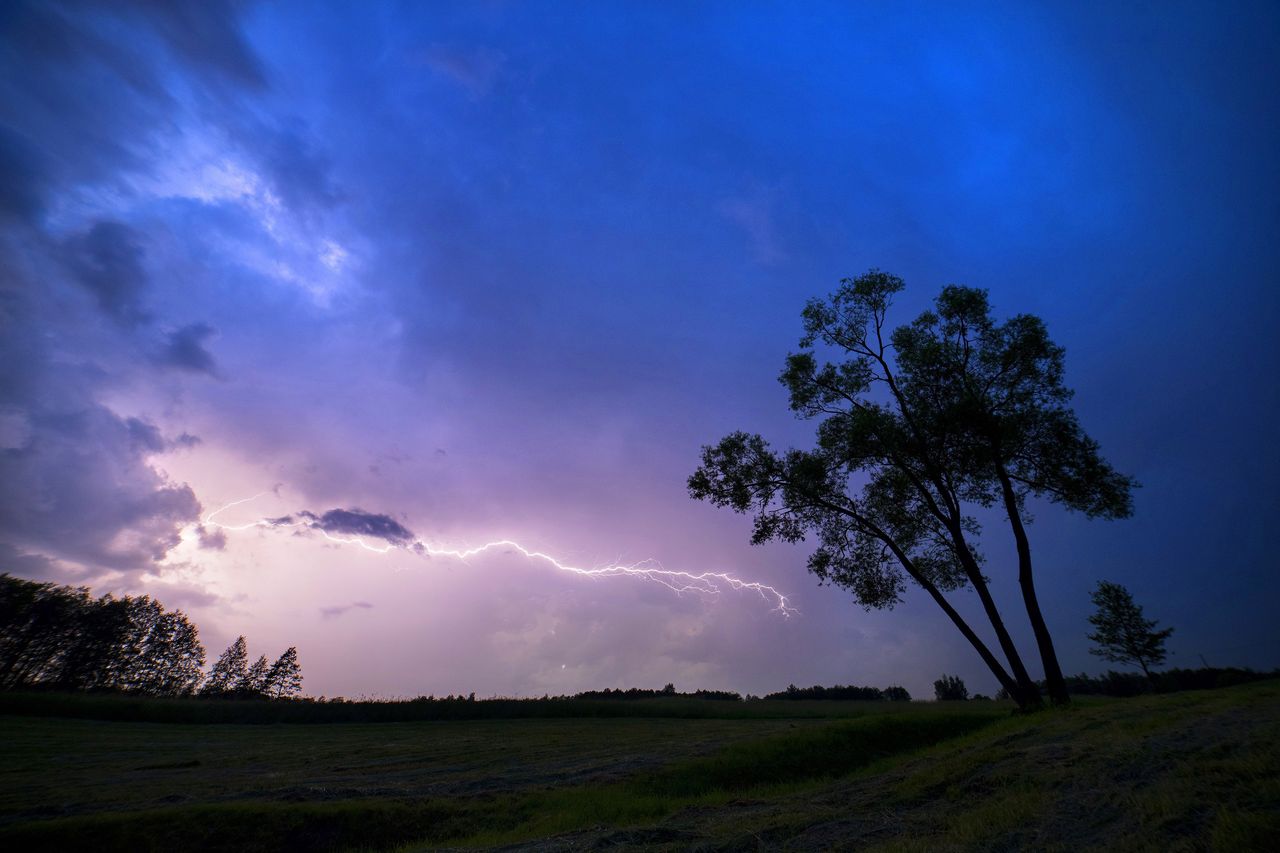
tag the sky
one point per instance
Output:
(444, 274)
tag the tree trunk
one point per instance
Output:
(1027, 693)
(1015, 688)
(1049, 658)
(992, 662)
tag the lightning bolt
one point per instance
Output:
(702, 583)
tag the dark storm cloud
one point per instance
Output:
(185, 349)
(83, 489)
(76, 481)
(349, 522)
(86, 87)
(87, 93)
(107, 261)
(145, 437)
(357, 522)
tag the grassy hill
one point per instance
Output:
(1191, 771)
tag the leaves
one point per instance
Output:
(58, 636)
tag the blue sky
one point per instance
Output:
(499, 270)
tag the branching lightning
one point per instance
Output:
(702, 583)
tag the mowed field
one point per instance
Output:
(1193, 771)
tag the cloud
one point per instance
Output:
(16, 562)
(107, 261)
(185, 440)
(337, 610)
(77, 482)
(185, 349)
(83, 490)
(98, 94)
(357, 522)
(204, 35)
(211, 539)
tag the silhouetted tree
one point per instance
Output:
(173, 656)
(284, 679)
(230, 670)
(950, 688)
(916, 428)
(61, 637)
(1123, 635)
(254, 682)
(897, 694)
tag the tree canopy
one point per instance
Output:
(57, 636)
(1121, 632)
(63, 638)
(918, 428)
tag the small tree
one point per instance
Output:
(284, 679)
(950, 688)
(897, 694)
(1122, 634)
(230, 670)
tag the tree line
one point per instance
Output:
(668, 691)
(844, 692)
(62, 638)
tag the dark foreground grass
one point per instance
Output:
(781, 762)
(1191, 771)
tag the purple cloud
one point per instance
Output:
(334, 611)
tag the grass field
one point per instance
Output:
(1186, 771)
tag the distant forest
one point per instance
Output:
(62, 638)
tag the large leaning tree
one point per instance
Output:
(918, 429)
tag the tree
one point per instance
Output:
(254, 682)
(62, 637)
(897, 693)
(229, 671)
(917, 429)
(1123, 635)
(950, 688)
(284, 679)
(175, 656)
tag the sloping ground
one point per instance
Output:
(1192, 771)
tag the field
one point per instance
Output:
(1197, 770)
